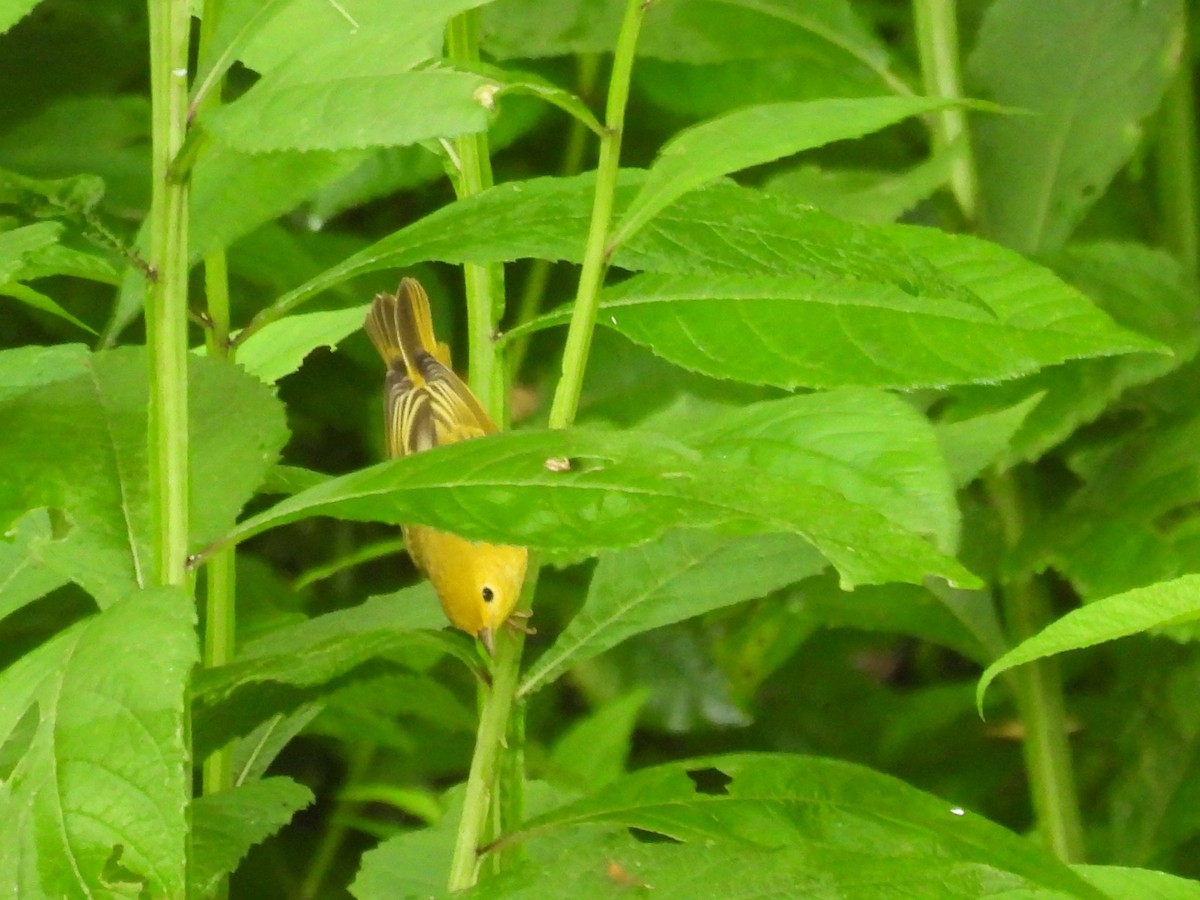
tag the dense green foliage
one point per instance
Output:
(893, 399)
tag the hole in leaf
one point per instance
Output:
(117, 875)
(585, 464)
(651, 837)
(710, 781)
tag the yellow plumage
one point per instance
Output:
(427, 405)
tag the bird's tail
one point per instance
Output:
(401, 327)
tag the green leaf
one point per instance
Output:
(623, 489)
(973, 444)
(594, 750)
(13, 11)
(310, 38)
(1104, 620)
(865, 196)
(791, 332)
(810, 806)
(723, 229)
(779, 251)
(684, 574)
(829, 37)
(106, 135)
(296, 663)
(281, 347)
(104, 775)
(38, 300)
(355, 114)
(70, 198)
(226, 825)
(57, 259)
(234, 192)
(896, 609)
(703, 58)
(238, 22)
(253, 754)
(752, 136)
(23, 577)
(1151, 800)
(529, 85)
(829, 34)
(870, 446)
(395, 710)
(78, 445)
(603, 863)
(1139, 884)
(1089, 79)
(25, 368)
(412, 864)
(1144, 290)
(356, 85)
(18, 243)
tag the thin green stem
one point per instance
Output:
(167, 303)
(220, 614)
(1176, 156)
(1043, 713)
(167, 317)
(595, 258)
(937, 45)
(220, 618)
(539, 273)
(489, 741)
(1039, 696)
(510, 810)
(497, 704)
(335, 835)
(484, 283)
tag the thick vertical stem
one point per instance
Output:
(1175, 153)
(167, 303)
(937, 43)
(1043, 713)
(484, 283)
(1039, 696)
(166, 317)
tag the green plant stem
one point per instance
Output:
(1043, 714)
(937, 45)
(220, 616)
(1175, 152)
(220, 613)
(484, 283)
(596, 256)
(539, 272)
(335, 835)
(1039, 696)
(489, 740)
(167, 319)
(167, 303)
(497, 704)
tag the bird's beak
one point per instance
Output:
(485, 635)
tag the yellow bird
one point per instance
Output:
(427, 405)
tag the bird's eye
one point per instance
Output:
(488, 596)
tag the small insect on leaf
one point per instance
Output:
(558, 464)
(620, 875)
